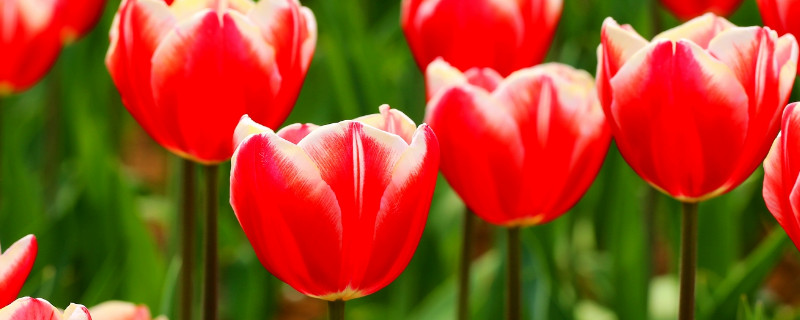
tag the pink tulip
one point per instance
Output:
(28, 308)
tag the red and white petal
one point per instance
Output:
(699, 30)
(28, 308)
(392, 121)
(618, 44)
(246, 128)
(786, 55)
(781, 169)
(119, 310)
(15, 265)
(296, 132)
(403, 212)
(485, 78)
(77, 312)
(441, 75)
(356, 161)
(288, 212)
(482, 150)
(679, 119)
(208, 73)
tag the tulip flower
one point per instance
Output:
(335, 211)
(32, 33)
(520, 151)
(688, 9)
(39, 309)
(781, 175)
(693, 112)
(119, 310)
(187, 70)
(15, 265)
(504, 35)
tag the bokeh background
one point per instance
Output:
(102, 199)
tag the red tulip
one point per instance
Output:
(335, 211)
(32, 33)
(188, 71)
(781, 175)
(504, 35)
(694, 111)
(15, 265)
(28, 308)
(688, 9)
(522, 150)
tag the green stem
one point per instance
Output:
(336, 310)
(513, 302)
(464, 265)
(211, 271)
(688, 261)
(187, 243)
(51, 146)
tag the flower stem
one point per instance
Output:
(211, 271)
(187, 243)
(688, 261)
(513, 286)
(336, 310)
(464, 265)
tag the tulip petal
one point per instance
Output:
(699, 30)
(619, 43)
(391, 121)
(781, 169)
(485, 78)
(119, 310)
(296, 132)
(203, 58)
(481, 150)
(76, 312)
(275, 186)
(28, 308)
(441, 75)
(15, 265)
(246, 128)
(674, 99)
(403, 211)
(356, 161)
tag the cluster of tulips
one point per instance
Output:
(337, 211)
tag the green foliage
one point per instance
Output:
(75, 173)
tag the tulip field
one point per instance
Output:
(399, 159)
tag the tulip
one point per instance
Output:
(688, 9)
(335, 211)
(188, 71)
(32, 33)
(781, 175)
(15, 265)
(505, 35)
(39, 309)
(693, 112)
(520, 151)
(119, 310)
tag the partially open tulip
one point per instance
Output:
(688, 9)
(335, 211)
(504, 35)
(15, 265)
(781, 170)
(32, 33)
(522, 150)
(120, 310)
(28, 308)
(694, 111)
(188, 71)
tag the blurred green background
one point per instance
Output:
(102, 198)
